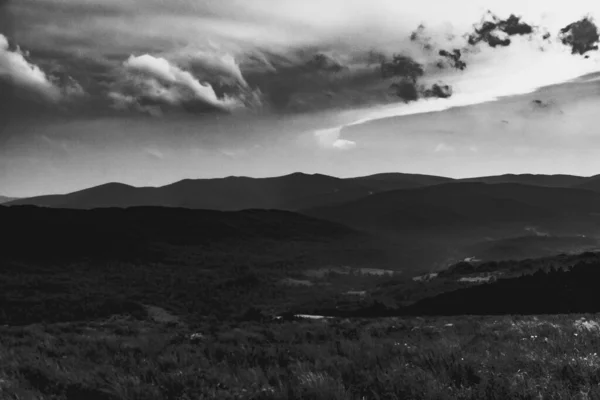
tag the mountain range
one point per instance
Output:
(408, 222)
(290, 192)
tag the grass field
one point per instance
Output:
(160, 356)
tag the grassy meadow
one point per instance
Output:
(159, 356)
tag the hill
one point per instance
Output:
(592, 183)
(563, 181)
(4, 199)
(454, 205)
(438, 225)
(158, 234)
(287, 192)
(545, 292)
(394, 181)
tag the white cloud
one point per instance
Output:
(233, 153)
(443, 148)
(330, 139)
(160, 81)
(16, 69)
(327, 137)
(342, 144)
(154, 153)
(213, 63)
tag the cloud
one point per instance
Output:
(453, 58)
(124, 102)
(154, 153)
(56, 144)
(309, 80)
(15, 69)
(325, 62)
(438, 90)
(330, 139)
(151, 82)
(184, 59)
(582, 36)
(211, 64)
(443, 148)
(342, 144)
(420, 36)
(497, 32)
(326, 138)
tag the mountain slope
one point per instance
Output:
(48, 234)
(461, 204)
(4, 199)
(288, 192)
(531, 179)
(395, 181)
(591, 183)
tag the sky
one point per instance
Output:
(148, 92)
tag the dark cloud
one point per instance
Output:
(410, 71)
(375, 57)
(324, 62)
(497, 32)
(25, 80)
(316, 79)
(7, 19)
(410, 91)
(582, 36)
(209, 78)
(402, 66)
(439, 90)
(421, 37)
(406, 89)
(454, 58)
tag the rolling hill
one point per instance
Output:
(202, 237)
(563, 181)
(461, 204)
(394, 181)
(288, 192)
(4, 199)
(592, 183)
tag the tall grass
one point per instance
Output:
(554, 357)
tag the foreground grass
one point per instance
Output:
(554, 357)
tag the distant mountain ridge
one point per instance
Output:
(4, 199)
(393, 181)
(531, 179)
(289, 192)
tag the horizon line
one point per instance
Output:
(286, 175)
